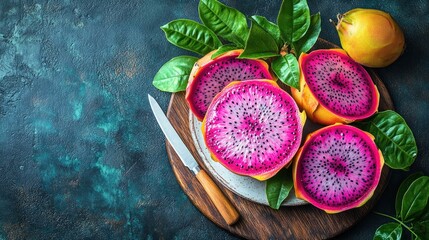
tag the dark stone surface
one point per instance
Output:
(80, 154)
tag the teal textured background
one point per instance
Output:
(80, 154)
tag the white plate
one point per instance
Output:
(246, 187)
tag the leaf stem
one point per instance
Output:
(399, 221)
(334, 23)
(284, 50)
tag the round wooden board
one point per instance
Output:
(258, 221)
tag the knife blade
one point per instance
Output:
(221, 202)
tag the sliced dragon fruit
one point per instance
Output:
(334, 88)
(253, 128)
(337, 168)
(210, 76)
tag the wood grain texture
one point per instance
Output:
(258, 221)
(220, 201)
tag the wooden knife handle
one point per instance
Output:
(221, 202)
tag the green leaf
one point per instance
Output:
(173, 75)
(293, 20)
(270, 28)
(287, 70)
(421, 229)
(394, 138)
(309, 39)
(223, 49)
(278, 188)
(425, 215)
(259, 44)
(192, 36)
(226, 22)
(402, 189)
(388, 231)
(415, 199)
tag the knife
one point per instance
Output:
(221, 202)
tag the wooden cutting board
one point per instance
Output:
(259, 221)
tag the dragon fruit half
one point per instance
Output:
(209, 76)
(253, 128)
(334, 88)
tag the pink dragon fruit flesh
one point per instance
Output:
(337, 168)
(209, 76)
(334, 88)
(253, 127)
